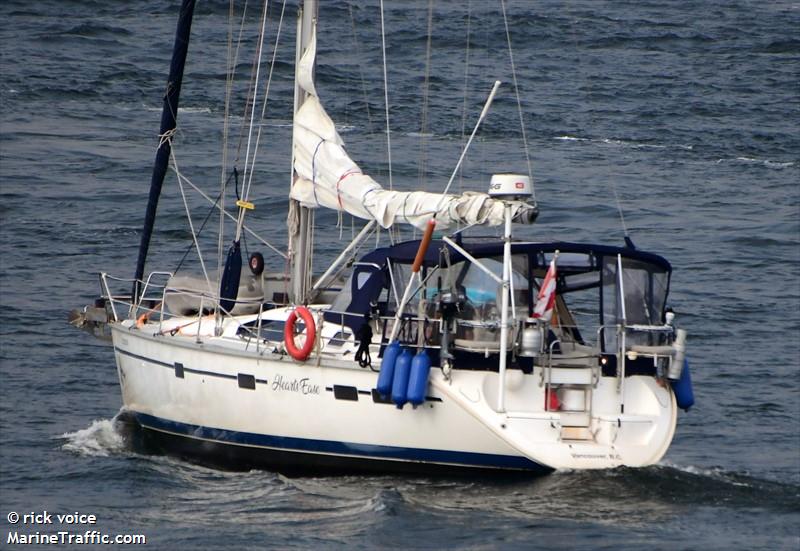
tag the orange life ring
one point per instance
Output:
(300, 354)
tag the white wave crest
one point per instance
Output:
(189, 110)
(625, 143)
(764, 162)
(100, 439)
(194, 110)
(571, 139)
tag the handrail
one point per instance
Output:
(204, 298)
(147, 284)
(549, 370)
(125, 299)
(209, 296)
(106, 293)
(655, 328)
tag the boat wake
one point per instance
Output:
(715, 473)
(715, 485)
(658, 489)
(100, 439)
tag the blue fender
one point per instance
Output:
(418, 379)
(386, 375)
(684, 395)
(402, 370)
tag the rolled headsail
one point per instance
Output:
(169, 114)
(325, 176)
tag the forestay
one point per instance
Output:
(325, 176)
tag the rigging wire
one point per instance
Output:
(582, 74)
(223, 181)
(232, 217)
(519, 101)
(189, 218)
(214, 206)
(619, 208)
(232, 59)
(247, 175)
(370, 127)
(425, 101)
(466, 84)
(481, 117)
(251, 90)
(386, 98)
(266, 97)
(423, 130)
(239, 41)
(357, 46)
(391, 230)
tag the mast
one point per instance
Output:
(300, 228)
(169, 116)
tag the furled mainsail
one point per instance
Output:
(325, 176)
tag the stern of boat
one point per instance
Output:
(571, 417)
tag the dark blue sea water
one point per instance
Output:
(689, 108)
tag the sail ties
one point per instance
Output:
(341, 209)
(339, 183)
(314, 184)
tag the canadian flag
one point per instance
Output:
(546, 300)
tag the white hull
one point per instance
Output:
(218, 394)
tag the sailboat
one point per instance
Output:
(441, 355)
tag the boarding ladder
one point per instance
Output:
(568, 379)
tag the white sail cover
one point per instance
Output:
(325, 176)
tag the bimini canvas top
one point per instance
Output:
(570, 253)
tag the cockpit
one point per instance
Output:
(598, 289)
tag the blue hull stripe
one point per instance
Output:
(185, 369)
(330, 447)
